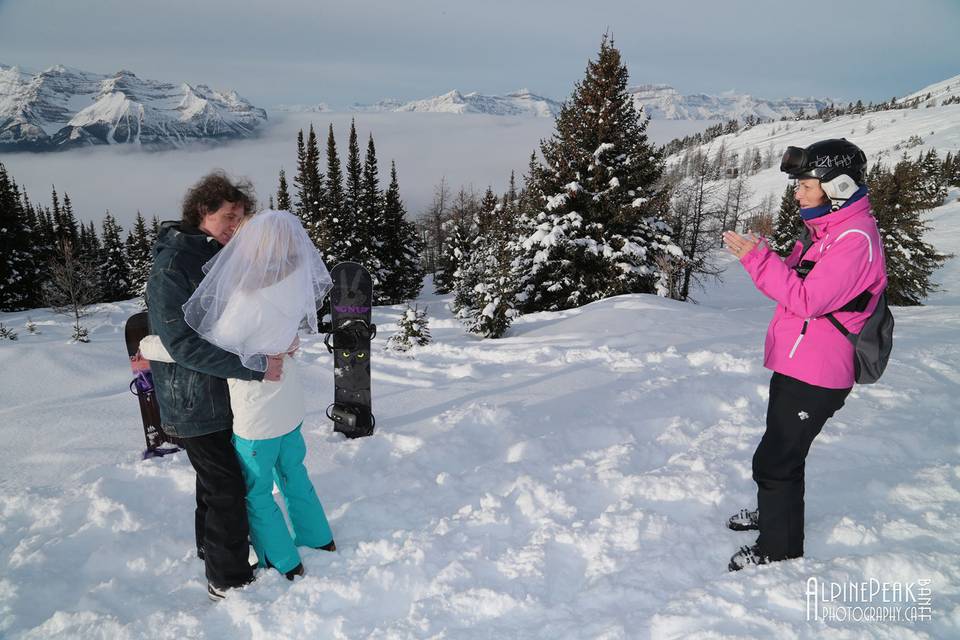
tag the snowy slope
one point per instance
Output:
(63, 108)
(885, 136)
(938, 91)
(568, 481)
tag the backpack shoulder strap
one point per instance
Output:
(839, 325)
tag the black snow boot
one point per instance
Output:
(747, 557)
(745, 520)
(330, 546)
(296, 571)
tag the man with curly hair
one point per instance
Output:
(192, 392)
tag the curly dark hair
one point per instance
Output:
(211, 191)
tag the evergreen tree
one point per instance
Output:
(400, 256)
(17, 272)
(114, 272)
(283, 195)
(352, 220)
(370, 217)
(335, 205)
(89, 248)
(951, 169)
(897, 206)
(932, 186)
(595, 236)
(301, 180)
(469, 271)
(458, 233)
(486, 293)
(412, 330)
(65, 220)
(789, 225)
(311, 193)
(139, 256)
(154, 231)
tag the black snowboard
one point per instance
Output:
(136, 329)
(351, 332)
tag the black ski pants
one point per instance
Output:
(221, 523)
(796, 413)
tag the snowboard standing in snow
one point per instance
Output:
(351, 332)
(137, 328)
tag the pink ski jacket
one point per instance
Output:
(848, 252)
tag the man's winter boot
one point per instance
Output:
(744, 520)
(747, 557)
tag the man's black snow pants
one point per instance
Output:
(221, 519)
(796, 413)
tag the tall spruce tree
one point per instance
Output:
(335, 204)
(788, 225)
(154, 231)
(898, 207)
(458, 232)
(17, 271)
(90, 248)
(932, 185)
(311, 192)
(114, 272)
(139, 256)
(370, 216)
(351, 226)
(283, 193)
(470, 269)
(951, 170)
(594, 235)
(486, 285)
(403, 271)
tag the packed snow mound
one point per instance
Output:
(62, 108)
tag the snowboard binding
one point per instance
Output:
(142, 387)
(136, 329)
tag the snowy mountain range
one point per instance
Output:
(62, 108)
(663, 102)
(660, 101)
(518, 103)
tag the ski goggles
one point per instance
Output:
(796, 164)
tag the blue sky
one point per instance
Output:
(298, 51)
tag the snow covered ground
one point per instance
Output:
(571, 480)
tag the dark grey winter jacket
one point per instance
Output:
(192, 393)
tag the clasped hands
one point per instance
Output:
(274, 370)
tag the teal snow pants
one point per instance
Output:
(280, 461)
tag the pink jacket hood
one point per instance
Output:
(848, 253)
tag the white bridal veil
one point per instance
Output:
(259, 289)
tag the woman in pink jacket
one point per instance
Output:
(837, 266)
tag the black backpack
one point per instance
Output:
(872, 346)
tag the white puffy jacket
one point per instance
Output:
(261, 410)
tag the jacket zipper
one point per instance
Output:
(796, 344)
